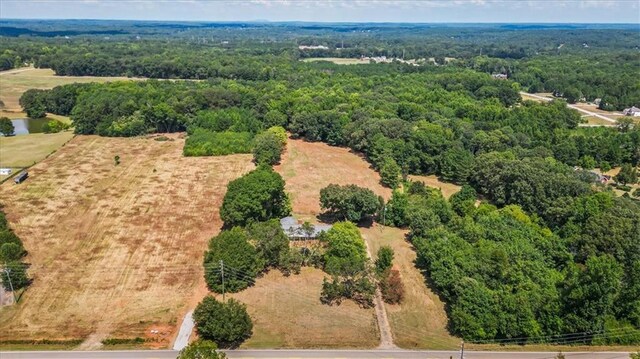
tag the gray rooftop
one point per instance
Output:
(292, 228)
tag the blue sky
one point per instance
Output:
(569, 11)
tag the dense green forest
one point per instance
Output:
(551, 255)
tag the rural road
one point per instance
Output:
(590, 113)
(182, 340)
(15, 71)
(312, 354)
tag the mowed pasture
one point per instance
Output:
(420, 321)
(287, 313)
(114, 249)
(13, 83)
(307, 167)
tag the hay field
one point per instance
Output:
(13, 83)
(287, 313)
(420, 321)
(115, 250)
(307, 167)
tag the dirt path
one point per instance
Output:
(386, 338)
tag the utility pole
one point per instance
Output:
(222, 273)
(462, 350)
(7, 271)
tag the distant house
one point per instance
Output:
(632, 111)
(5, 171)
(500, 76)
(295, 231)
(21, 177)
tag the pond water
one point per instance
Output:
(25, 126)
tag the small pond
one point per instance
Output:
(25, 126)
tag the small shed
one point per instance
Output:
(21, 177)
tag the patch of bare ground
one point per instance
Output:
(115, 250)
(420, 321)
(307, 167)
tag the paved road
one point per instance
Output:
(590, 113)
(182, 340)
(312, 354)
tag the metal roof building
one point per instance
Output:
(294, 230)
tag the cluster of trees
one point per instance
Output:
(349, 202)
(346, 260)
(14, 276)
(257, 196)
(406, 120)
(389, 279)
(226, 324)
(571, 267)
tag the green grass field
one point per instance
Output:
(25, 150)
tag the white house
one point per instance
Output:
(632, 111)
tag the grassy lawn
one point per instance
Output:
(287, 313)
(420, 321)
(25, 150)
(115, 251)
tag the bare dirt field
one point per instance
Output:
(14, 83)
(432, 181)
(287, 313)
(307, 167)
(115, 250)
(420, 321)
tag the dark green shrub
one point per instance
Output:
(227, 324)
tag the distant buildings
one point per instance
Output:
(318, 47)
(632, 111)
(500, 76)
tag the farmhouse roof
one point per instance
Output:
(631, 110)
(293, 229)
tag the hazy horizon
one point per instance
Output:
(332, 11)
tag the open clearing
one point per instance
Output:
(307, 167)
(420, 321)
(25, 150)
(287, 313)
(338, 60)
(115, 250)
(14, 83)
(432, 181)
